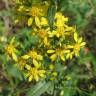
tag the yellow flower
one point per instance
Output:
(43, 21)
(69, 55)
(78, 45)
(36, 13)
(11, 50)
(61, 31)
(33, 54)
(60, 19)
(35, 73)
(58, 53)
(43, 34)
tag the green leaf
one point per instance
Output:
(39, 89)
(14, 71)
(51, 89)
(51, 14)
(69, 92)
(34, 39)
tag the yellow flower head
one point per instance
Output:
(78, 44)
(60, 19)
(59, 31)
(33, 54)
(35, 11)
(42, 33)
(11, 50)
(35, 73)
(44, 21)
(41, 22)
(58, 53)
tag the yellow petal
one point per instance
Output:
(80, 40)
(35, 63)
(75, 36)
(71, 55)
(36, 77)
(53, 57)
(67, 56)
(30, 20)
(37, 21)
(51, 34)
(14, 56)
(25, 56)
(66, 51)
(30, 78)
(45, 41)
(58, 35)
(83, 43)
(41, 73)
(77, 54)
(62, 57)
(70, 46)
(50, 51)
(28, 67)
(44, 21)
(40, 57)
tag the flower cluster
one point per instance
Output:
(58, 42)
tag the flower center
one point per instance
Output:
(42, 33)
(33, 54)
(77, 47)
(36, 11)
(10, 49)
(58, 51)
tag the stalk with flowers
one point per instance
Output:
(56, 43)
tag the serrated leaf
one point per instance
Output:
(39, 89)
